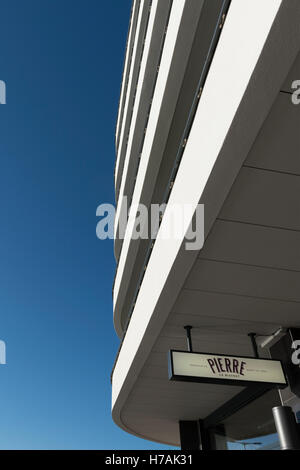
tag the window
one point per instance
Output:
(251, 428)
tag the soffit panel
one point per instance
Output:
(238, 307)
(277, 146)
(265, 198)
(253, 245)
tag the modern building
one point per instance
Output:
(209, 114)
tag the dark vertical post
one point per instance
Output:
(189, 435)
(194, 436)
(287, 428)
(189, 337)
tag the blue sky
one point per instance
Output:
(62, 63)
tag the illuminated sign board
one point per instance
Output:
(223, 369)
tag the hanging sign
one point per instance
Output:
(224, 369)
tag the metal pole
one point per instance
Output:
(254, 345)
(285, 422)
(189, 337)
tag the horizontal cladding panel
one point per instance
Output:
(182, 405)
(169, 409)
(161, 404)
(165, 386)
(253, 245)
(293, 75)
(148, 396)
(265, 198)
(163, 430)
(155, 372)
(217, 324)
(195, 302)
(277, 146)
(204, 336)
(207, 343)
(171, 387)
(244, 280)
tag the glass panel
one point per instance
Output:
(251, 428)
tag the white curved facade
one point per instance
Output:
(246, 278)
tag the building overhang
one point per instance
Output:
(244, 80)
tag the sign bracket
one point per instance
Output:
(252, 336)
(188, 329)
